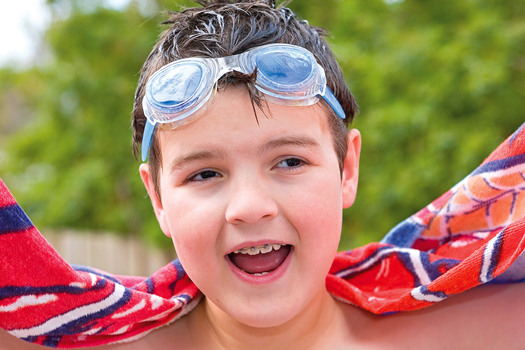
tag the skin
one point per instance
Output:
(248, 181)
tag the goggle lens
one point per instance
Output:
(177, 86)
(284, 69)
(176, 89)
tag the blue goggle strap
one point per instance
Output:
(330, 98)
(149, 128)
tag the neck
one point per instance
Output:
(318, 323)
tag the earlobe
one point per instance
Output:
(145, 174)
(351, 168)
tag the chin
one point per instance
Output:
(267, 319)
(267, 314)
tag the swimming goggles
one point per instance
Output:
(286, 75)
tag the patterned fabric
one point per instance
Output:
(471, 235)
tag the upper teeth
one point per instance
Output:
(265, 248)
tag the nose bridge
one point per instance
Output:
(250, 199)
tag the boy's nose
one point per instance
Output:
(250, 202)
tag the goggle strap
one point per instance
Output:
(333, 102)
(146, 138)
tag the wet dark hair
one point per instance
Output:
(224, 28)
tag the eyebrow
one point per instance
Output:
(180, 161)
(302, 141)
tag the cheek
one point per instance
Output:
(320, 206)
(195, 228)
(317, 216)
(195, 252)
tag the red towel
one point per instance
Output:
(473, 234)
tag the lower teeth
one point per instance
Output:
(257, 274)
(260, 274)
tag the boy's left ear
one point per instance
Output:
(351, 168)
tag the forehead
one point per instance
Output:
(232, 119)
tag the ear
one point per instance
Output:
(351, 168)
(145, 174)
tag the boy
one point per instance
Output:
(250, 181)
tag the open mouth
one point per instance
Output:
(260, 260)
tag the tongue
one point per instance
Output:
(261, 262)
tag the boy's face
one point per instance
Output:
(229, 182)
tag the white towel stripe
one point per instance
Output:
(419, 295)
(28, 300)
(486, 260)
(74, 314)
(135, 308)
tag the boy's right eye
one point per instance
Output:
(203, 176)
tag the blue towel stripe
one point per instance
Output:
(13, 219)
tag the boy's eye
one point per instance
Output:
(290, 163)
(204, 175)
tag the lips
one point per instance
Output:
(260, 260)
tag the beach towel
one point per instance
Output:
(471, 235)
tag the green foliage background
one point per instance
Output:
(440, 84)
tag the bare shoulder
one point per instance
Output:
(485, 317)
(8, 342)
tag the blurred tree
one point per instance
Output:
(440, 85)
